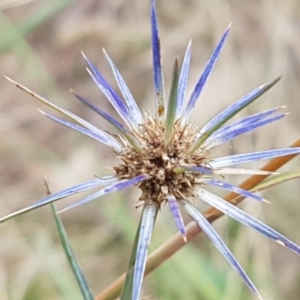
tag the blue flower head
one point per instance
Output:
(167, 156)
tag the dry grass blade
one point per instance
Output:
(170, 247)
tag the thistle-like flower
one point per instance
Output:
(167, 157)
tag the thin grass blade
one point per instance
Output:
(218, 242)
(91, 184)
(183, 79)
(203, 78)
(148, 219)
(133, 108)
(82, 282)
(172, 106)
(249, 157)
(271, 181)
(174, 207)
(103, 138)
(246, 219)
(157, 68)
(229, 112)
(115, 186)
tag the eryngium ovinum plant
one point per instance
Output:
(168, 157)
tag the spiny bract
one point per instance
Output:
(162, 162)
(168, 157)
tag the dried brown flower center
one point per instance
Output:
(159, 161)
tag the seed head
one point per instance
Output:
(162, 162)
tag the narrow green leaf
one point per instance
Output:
(84, 287)
(172, 106)
(270, 181)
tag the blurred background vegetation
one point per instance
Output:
(40, 44)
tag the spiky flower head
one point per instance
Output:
(167, 156)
